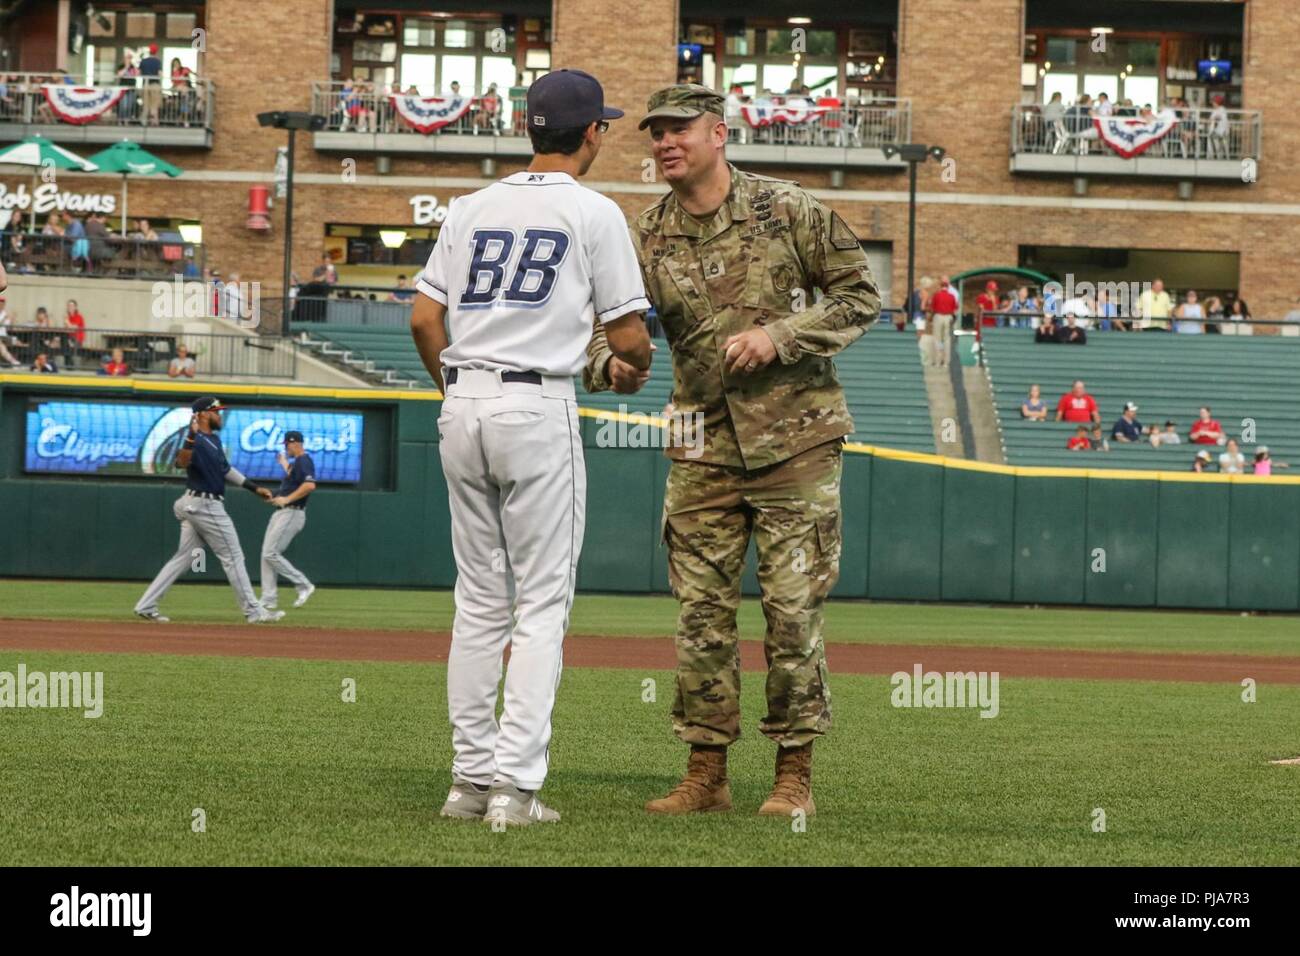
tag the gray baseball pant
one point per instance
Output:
(204, 523)
(280, 531)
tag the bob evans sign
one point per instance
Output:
(48, 197)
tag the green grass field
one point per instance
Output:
(288, 773)
(656, 616)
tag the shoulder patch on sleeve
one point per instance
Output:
(842, 236)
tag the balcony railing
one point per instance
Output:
(167, 115)
(366, 118)
(151, 353)
(1201, 145)
(111, 257)
(822, 132)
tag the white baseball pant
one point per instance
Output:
(517, 486)
(204, 522)
(280, 532)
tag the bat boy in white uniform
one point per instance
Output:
(507, 302)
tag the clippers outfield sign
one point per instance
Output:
(125, 439)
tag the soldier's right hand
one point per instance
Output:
(625, 378)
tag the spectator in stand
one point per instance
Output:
(5, 338)
(1050, 304)
(1070, 333)
(182, 365)
(349, 105)
(1023, 302)
(182, 90)
(943, 308)
(1048, 331)
(1213, 314)
(1098, 443)
(403, 292)
(919, 304)
(1189, 310)
(489, 110)
(1294, 314)
(986, 302)
(1078, 122)
(1232, 461)
(1080, 308)
(116, 365)
(1217, 136)
(97, 234)
(1264, 463)
(1169, 436)
(1154, 306)
(43, 365)
(1201, 463)
(53, 224)
(75, 323)
(1103, 107)
(1054, 122)
(1127, 428)
(325, 271)
(126, 77)
(1077, 405)
(1080, 440)
(151, 68)
(1107, 314)
(1033, 408)
(16, 253)
(145, 232)
(1207, 431)
(1238, 317)
(79, 249)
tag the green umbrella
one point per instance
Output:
(132, 159)
(37, 152)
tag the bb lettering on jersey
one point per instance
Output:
(524, 266)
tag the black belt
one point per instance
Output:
(532, 378)
(298, 505)
(204, 494)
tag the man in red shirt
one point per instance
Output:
(943, 307)
(988, 302)
(1077, 405)
(1207, 431)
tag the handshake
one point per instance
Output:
(266, 495)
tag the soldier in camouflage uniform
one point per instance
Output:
(732, 263)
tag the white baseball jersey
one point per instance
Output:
(523, 266)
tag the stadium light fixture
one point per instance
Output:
(292, 121)
(796, 21)
(392, 238)
(913, 154)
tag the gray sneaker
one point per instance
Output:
(464, 801)
(263, 616)
(153, 616)
(513, 807)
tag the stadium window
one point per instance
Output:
(104, 24)
(458, 34)
(1095, 84)
(537, 60)
(419, 31)
(459, 69)
(1062, 50)
(1067, 84)
(180, 26)
(1143, 53)
(141, 25)
(420, 70)
(821, 79)
(1142, 90)
(374, 51)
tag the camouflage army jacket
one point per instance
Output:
(759, 262)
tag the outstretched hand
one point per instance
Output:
(279, 502)
(264, 493)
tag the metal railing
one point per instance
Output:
(1223, 325)
(790, 121)
(112, 256)
(24, 99)
(363, 109)
(151, 353)
(1199, 134)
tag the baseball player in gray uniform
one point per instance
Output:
(290, 518)
(201, 511)
(520, 271)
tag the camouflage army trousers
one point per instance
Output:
(792, 509)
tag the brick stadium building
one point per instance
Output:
(1210, 211)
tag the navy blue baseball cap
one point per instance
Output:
(292, 436)
(207, 403)
(567, 99)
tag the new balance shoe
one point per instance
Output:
(304, 594)
(263, 616)
(513, 807)
(465, 801)
(153, 616)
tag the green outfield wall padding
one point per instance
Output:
(914, 526)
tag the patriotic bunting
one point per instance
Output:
(80, 104)
(428, 113)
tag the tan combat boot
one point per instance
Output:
(704, 789)
(793, 788)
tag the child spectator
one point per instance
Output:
(1098, 443)
(1034, 408)
(1264, 463)
(1080, 440)
(1201, 463)
(1169, 436)
(1207, 431)
(116, 364)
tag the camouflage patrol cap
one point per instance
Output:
(684, 101)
